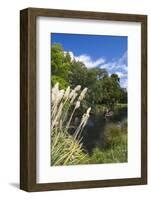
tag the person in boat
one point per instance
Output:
(108, 113)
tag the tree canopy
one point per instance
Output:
(102, 88)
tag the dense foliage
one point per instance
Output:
(103, 94)
(103, 89)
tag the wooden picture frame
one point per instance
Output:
(28, 98)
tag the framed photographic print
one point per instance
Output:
(83, 93)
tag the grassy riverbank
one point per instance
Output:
(70, 152)
(67, 148)
(115, 150)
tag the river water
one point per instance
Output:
(94, 132)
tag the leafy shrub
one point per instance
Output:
(113, 135)
(124, 126)
(114, 154)
(115, 150)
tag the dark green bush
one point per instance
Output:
(114, 154)
(113, 135)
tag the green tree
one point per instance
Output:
(102, 89)
(115, 78)
(56, 59)
(123, 96)
(78, 74)
(111, 90)
(60, 65)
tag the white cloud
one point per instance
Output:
(124, 83)
(121, 74)
(87, 60)
(70, 53)
(119, 67)
(89, 63)
(120, 63)
(123, 79)
(123, 59)
(114, 66)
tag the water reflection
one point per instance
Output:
(93, 134)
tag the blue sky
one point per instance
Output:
(102, 51)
